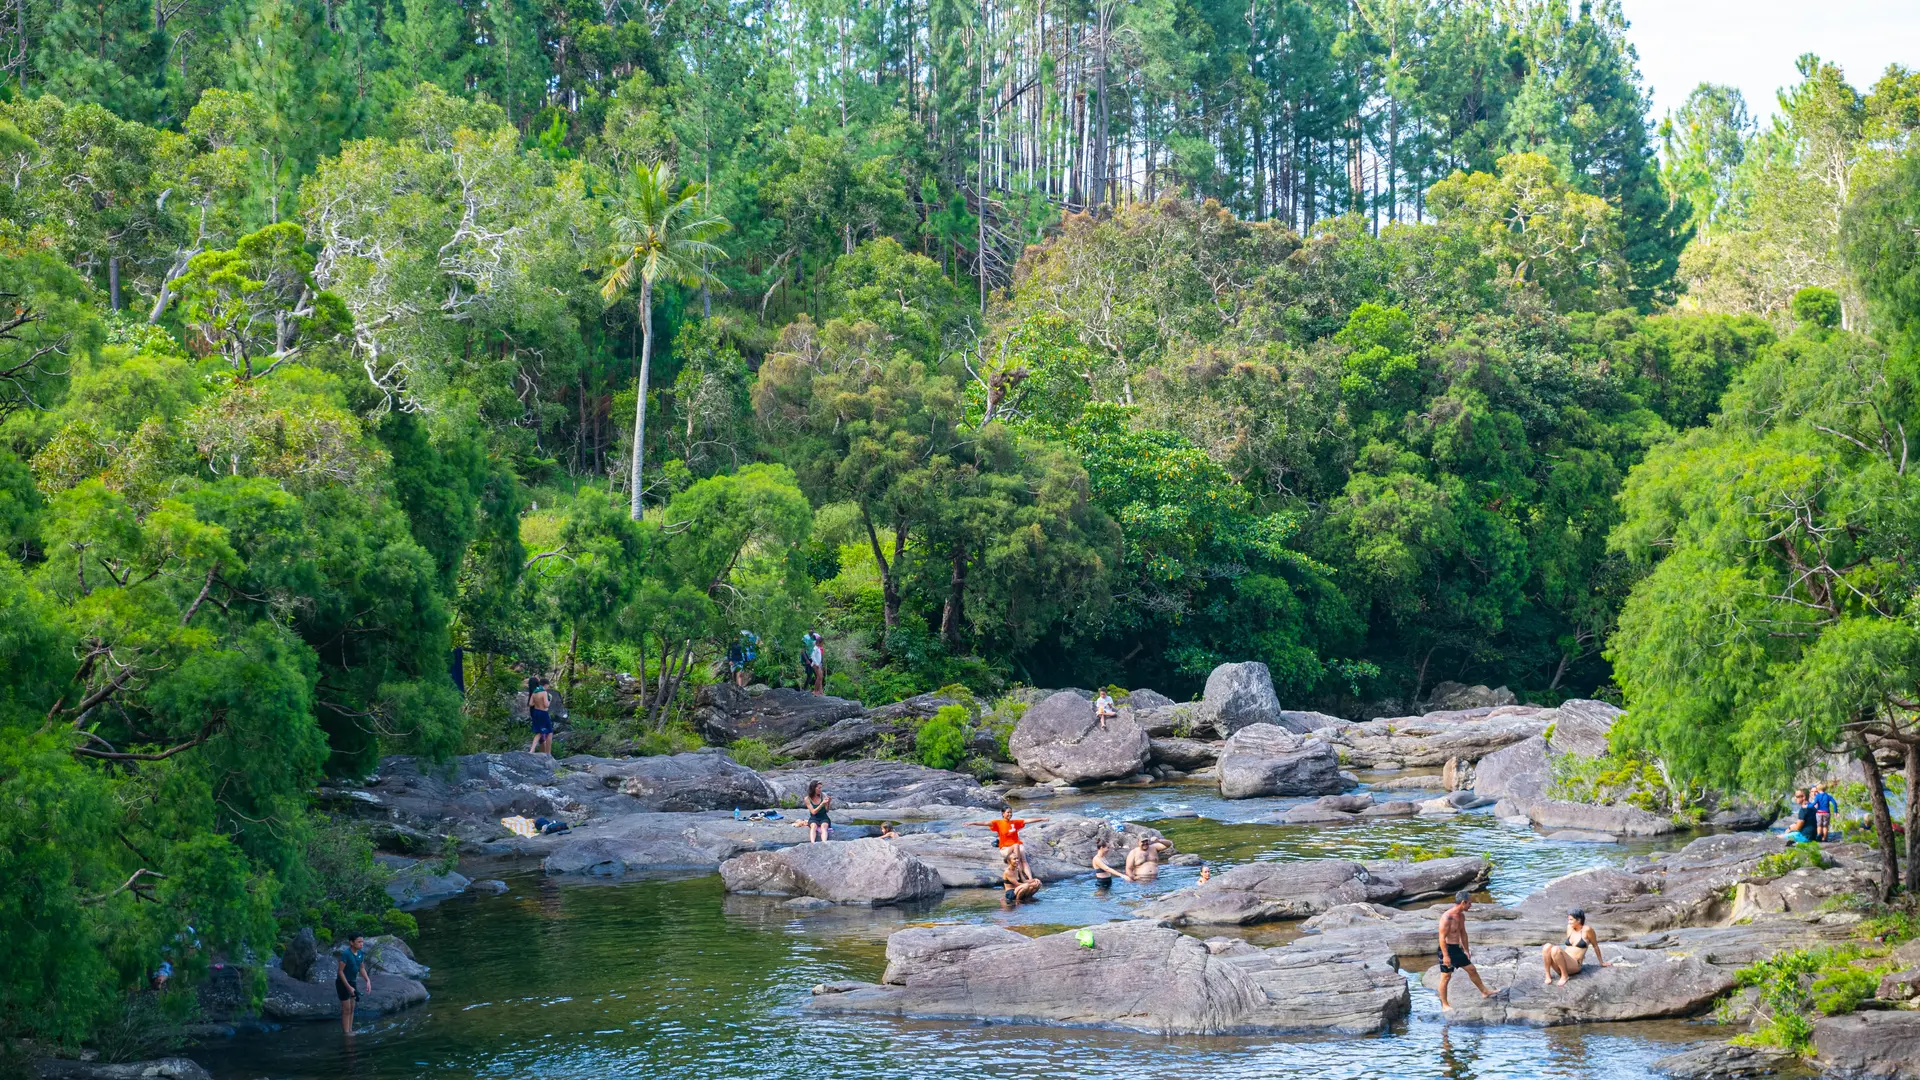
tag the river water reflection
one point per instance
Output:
(560, 980)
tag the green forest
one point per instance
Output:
(1385, 342)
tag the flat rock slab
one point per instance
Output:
(866, 871)
(1869, 1046)
(849, 736)
(872, 783)
(1137, 976)
(1059, 738)
(1640, 985)
(644, 843)
(1725, 1061)
(292, 999)
(1269, 891)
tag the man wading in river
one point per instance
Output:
(1453, 947)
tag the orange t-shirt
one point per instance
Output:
(1008, 830)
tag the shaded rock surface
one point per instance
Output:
(866, 871)
(1138, 977)
(169, 1068)
(1184, 754)
(289, 998)
(1267, 891)
(875, 783)
(723, 712)
(1264, 759)
(1452, 696)
(846, 737)
(1059, 738)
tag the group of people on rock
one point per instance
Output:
(745, 649)
(1561, 960)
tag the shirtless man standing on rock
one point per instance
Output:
(1453, 947)
(1143, 862)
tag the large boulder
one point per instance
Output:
(724, 712)
(1639, 985)
(1147, 699)
(1582, 726)
(289, 998)
(1059, 738)
(1452, 696)
(1263, 759)
(866, 871)
(1267, 891)
(301, 951)
(881, 783)
(920, 949)
(1238, 695)
(1518, 772)
(702, 780)
(1170, 721)
(1183, 754)
(1136, 976)
(1518, 776)
(1863, 1045)
(846, 738)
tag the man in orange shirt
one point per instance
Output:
(1007, 828)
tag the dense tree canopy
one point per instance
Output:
(360, 361)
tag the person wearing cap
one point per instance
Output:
(1566, 959)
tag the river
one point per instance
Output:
(571, 980)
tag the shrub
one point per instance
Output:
(755, 754)
(980, 767)
(1795, 857)
(675, 738)
(942, 741)
(1794, 984)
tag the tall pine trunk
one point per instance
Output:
(640, 399)
(1913, 816)
(1882, 817)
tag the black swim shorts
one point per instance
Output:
(1454, 957)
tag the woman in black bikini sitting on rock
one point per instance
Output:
(1566, 959)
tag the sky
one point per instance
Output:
(1752, 44)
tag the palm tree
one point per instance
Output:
(659, 234)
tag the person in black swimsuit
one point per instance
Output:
(1103, 872)
(1566, 960)
(1453, 947)
(817, 804)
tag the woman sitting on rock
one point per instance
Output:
(1566, 959)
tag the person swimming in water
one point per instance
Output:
(1103, 872)
(1143, 862)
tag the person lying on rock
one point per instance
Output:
(1103, 873)
(1143, 862)
(1017, 879)
(1007, 828)
(1565, 960)
(1453, 946)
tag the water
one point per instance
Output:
(559, 980)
